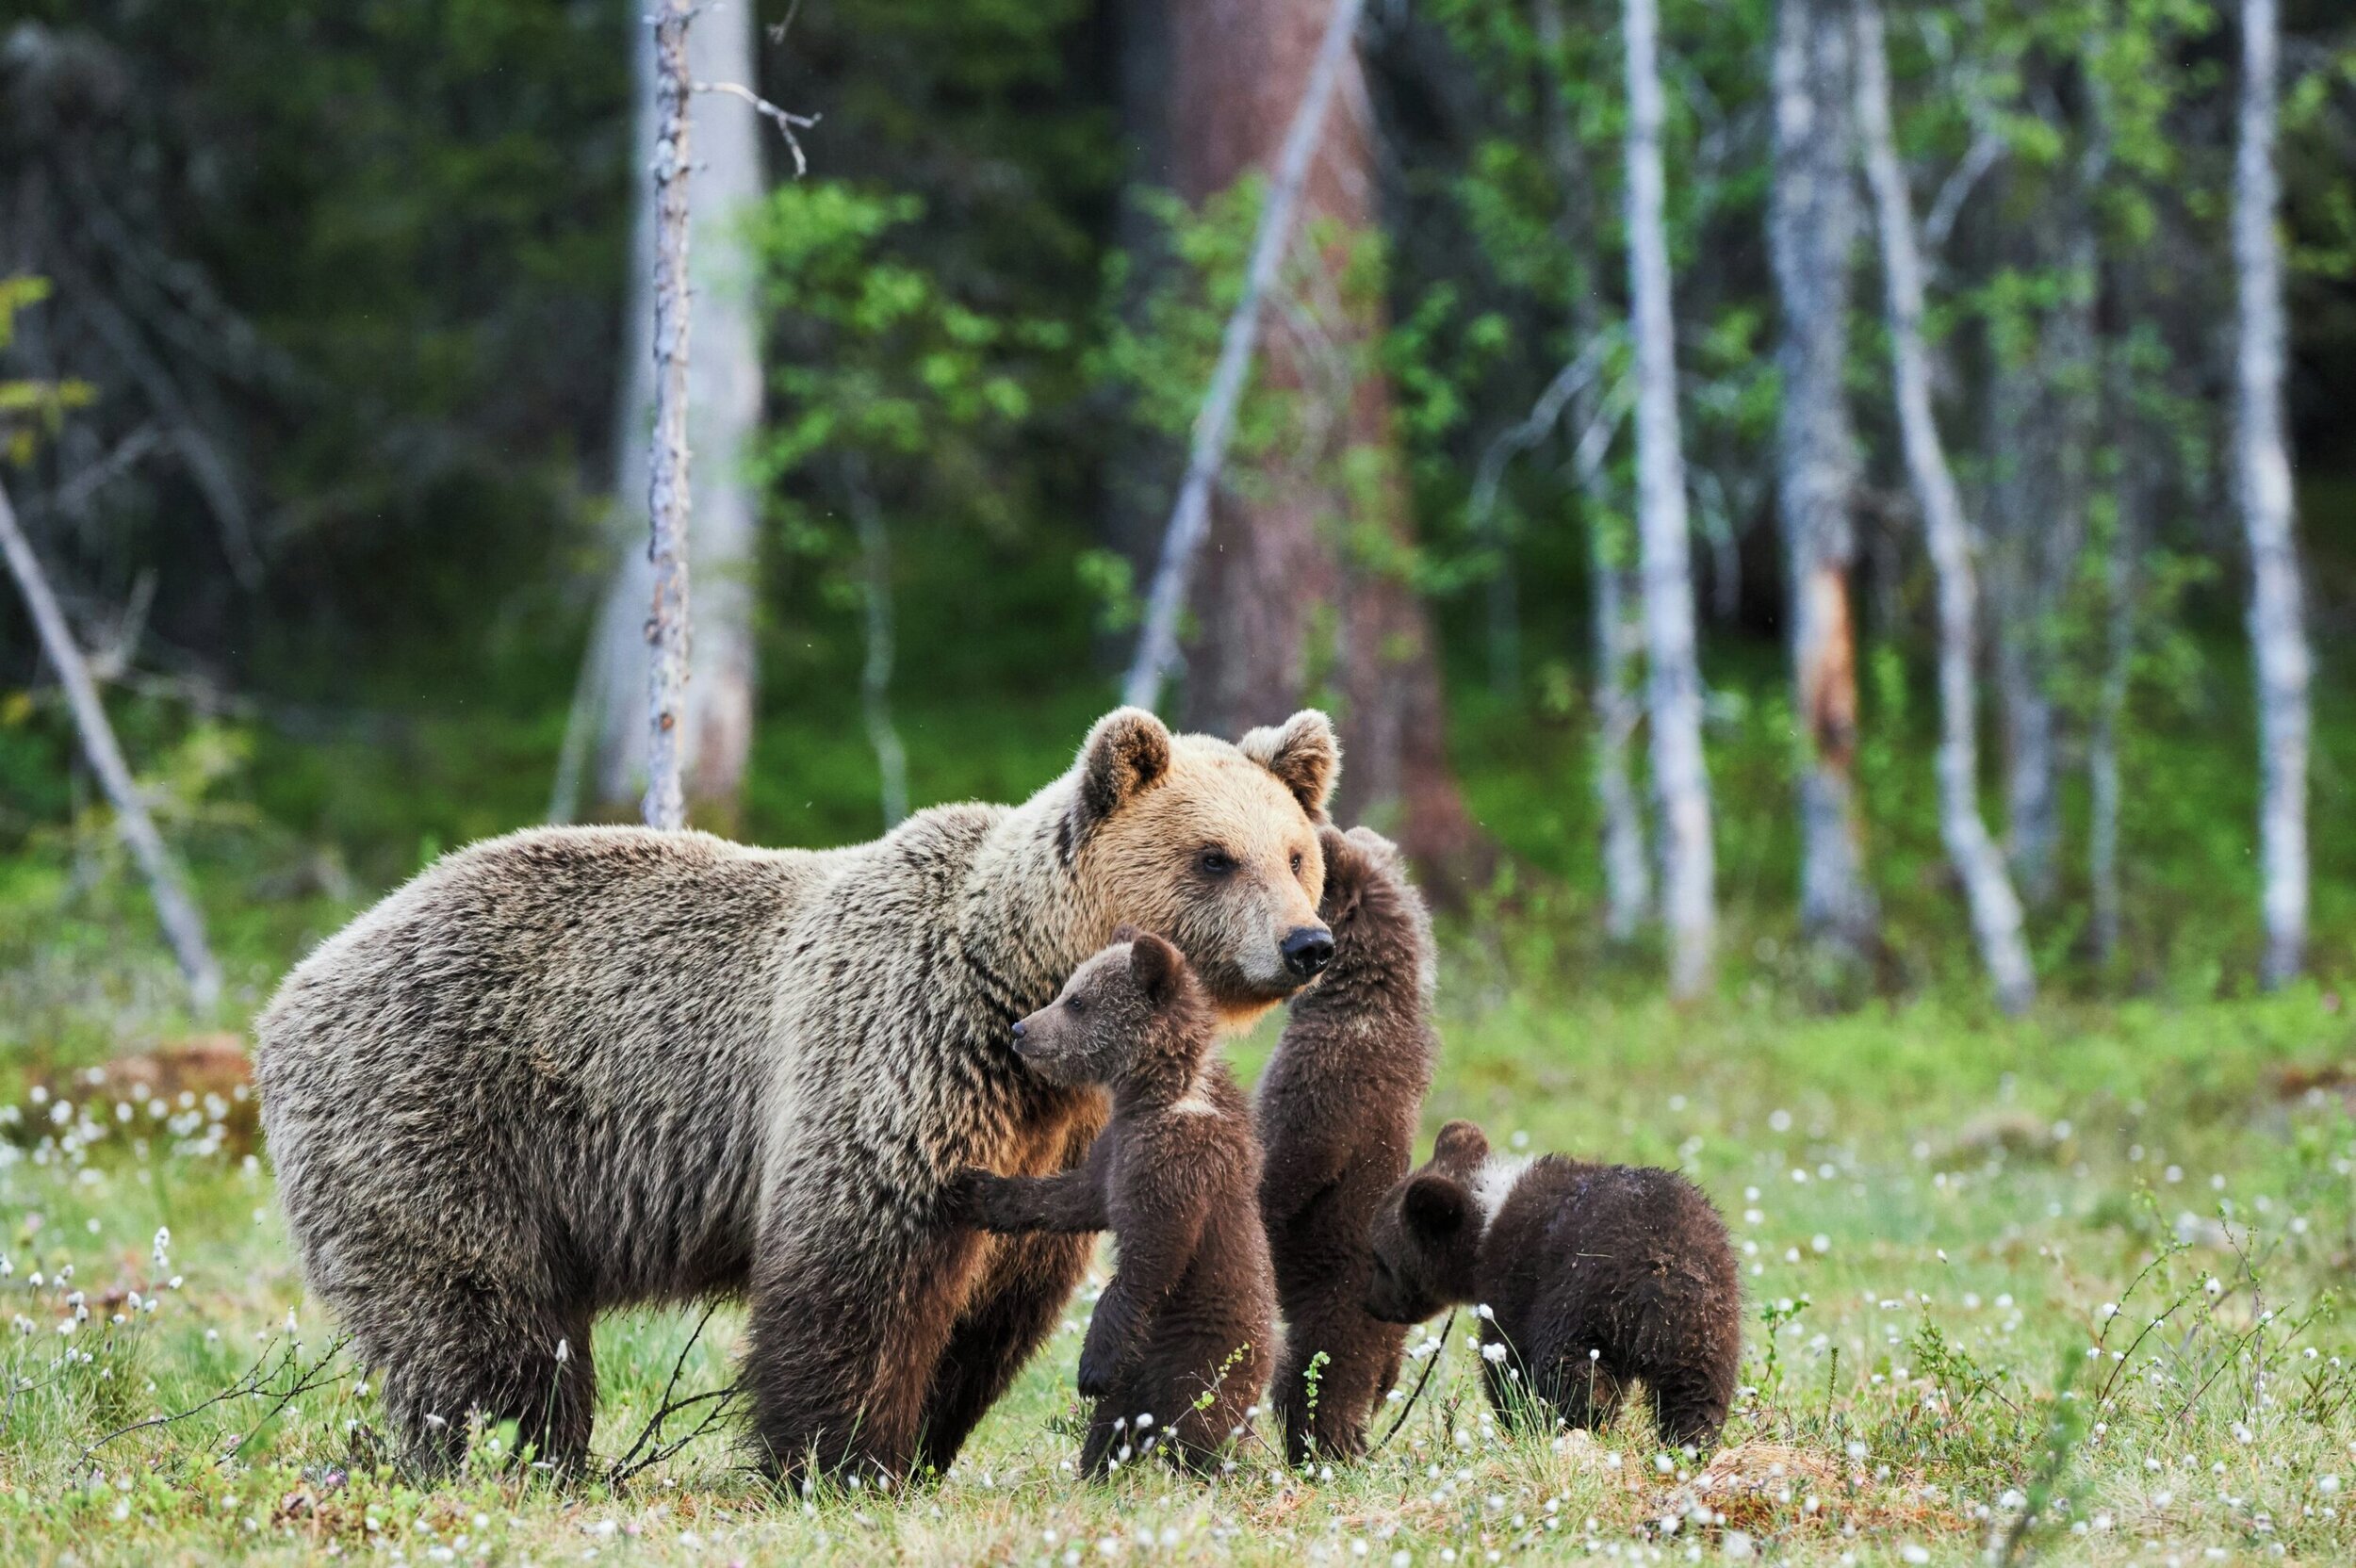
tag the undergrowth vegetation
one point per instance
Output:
(2058, 1289)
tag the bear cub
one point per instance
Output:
(1337, 1111)
(1175, 1176)
(1590, 1276)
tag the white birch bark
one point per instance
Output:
(2262, 464)
(609, 731)
(1673, 685)
(1617, 638)
(1813, 229)
(183, 923)
(874, 684)
(668, 501)
(1214, 424)
(1995, 908)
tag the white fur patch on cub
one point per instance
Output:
(1493, 1181)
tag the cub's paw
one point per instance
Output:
(1097, 1367)
(962, 1201)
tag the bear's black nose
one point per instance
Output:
(1307, 949)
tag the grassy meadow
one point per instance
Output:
(2055, 1290)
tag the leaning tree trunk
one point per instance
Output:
(1812, 228)
(183, 923)
(1277, 591)
(2261, 465)
(1626, 865)
(723, 411)
(1674, 688)
(1995, 908)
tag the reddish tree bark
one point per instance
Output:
(1298, 597)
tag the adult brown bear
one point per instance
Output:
(575, 1069)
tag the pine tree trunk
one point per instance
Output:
(1281, 612)
(1995, 908)
(2120, 553)
(1813, 225)
(1674, 688)
(1626, 860)
(2278, 634)
(723, 413)
(2023, 509)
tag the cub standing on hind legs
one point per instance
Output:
(1173, 1175)
(1592, 1274)
(1338, 1113)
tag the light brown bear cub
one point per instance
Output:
(1174, 1176)
(1338, 1113)
(1590, 1276)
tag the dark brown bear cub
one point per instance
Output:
(1338, 1113)
(1593, 1275)
(1175, 1176)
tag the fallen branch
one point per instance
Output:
(1215, 425)
(184, 926)
(649, 1449)
(1408, 1409)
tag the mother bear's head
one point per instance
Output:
(1211, 844)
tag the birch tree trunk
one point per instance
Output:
(183, 923)
(874, 685)
(1995, 908)
(1278, 595)
(2277, 635)
(723, 411)
(1674, 688)
(1813, 229)
(1627, 862)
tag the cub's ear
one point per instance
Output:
(1125, 932)
(1461, 1146)
(1154, 965)
(1435, 1207)
(1345, 877)
(1378, 849)
(1302, 753)
(1126, 751)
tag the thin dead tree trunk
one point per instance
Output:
(183, 925)
(1680, 774)
(667, 502)
(605, 744)
(2278, 635)
(1595, 415)
(1995, 908)
(1215, 425)
(874, 685)
(2110, 706)
(1813, 229)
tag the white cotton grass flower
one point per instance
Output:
(1493, 1352)
(163, 1247)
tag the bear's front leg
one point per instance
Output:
(852, 1308)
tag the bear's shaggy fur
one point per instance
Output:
(1175, 1176)
(576, 1068)
(1592, 1274)
(1337, 1111)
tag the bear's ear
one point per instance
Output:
(1125, 932)
(1302, 753)
(1153, 964)
(1435, 1207)
(1461, 1146)
(1127, 750)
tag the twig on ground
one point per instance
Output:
(1416, 1393)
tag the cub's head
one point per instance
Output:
(1213, 846)
(1133, 1014)
(1382, 929)
(1426, 1235)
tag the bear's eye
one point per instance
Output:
(1216, 861)
(1296, 862)
(1075, 1003)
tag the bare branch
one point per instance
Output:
(787, 122)
(184, 926)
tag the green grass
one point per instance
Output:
(1935, 1210)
